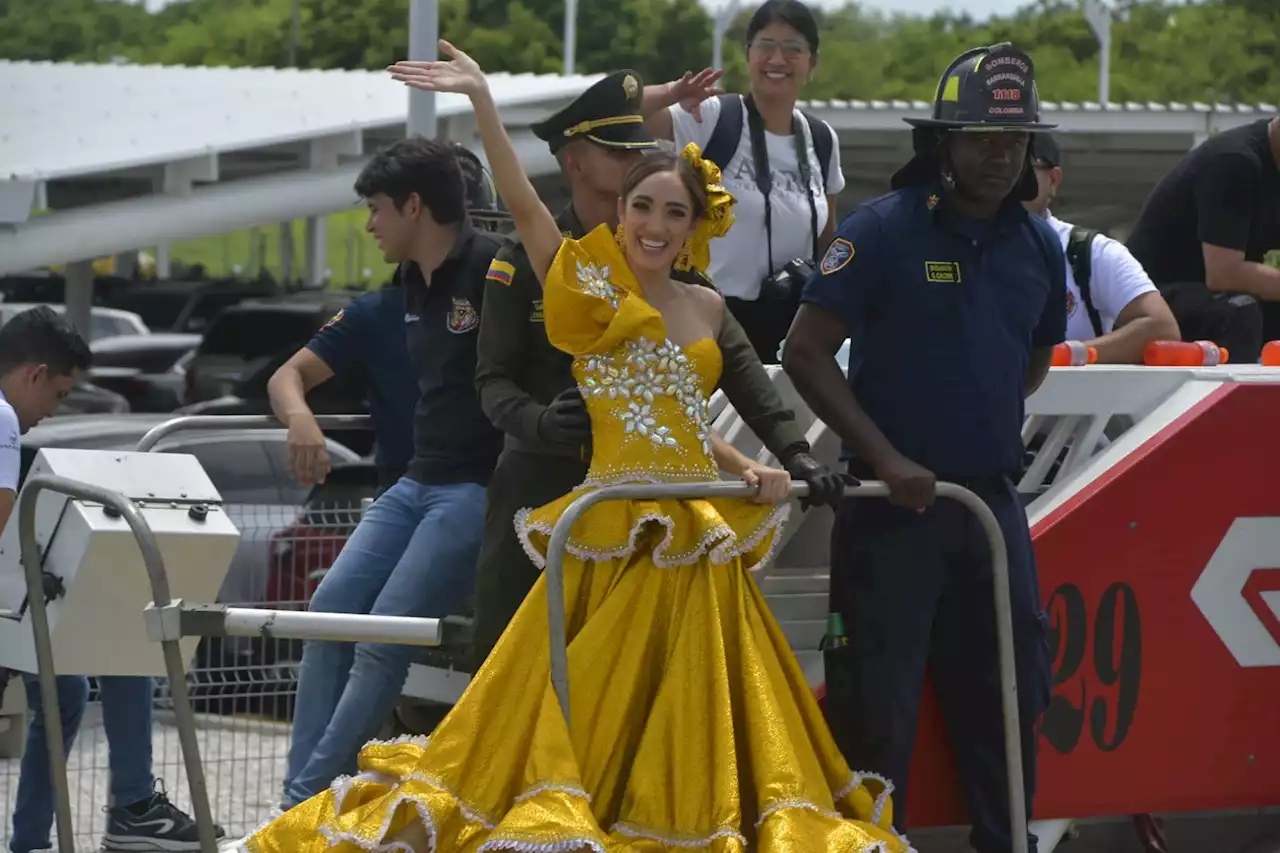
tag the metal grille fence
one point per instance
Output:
(241, 689)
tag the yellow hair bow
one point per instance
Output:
(715, 221)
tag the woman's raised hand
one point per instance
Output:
(459, 73)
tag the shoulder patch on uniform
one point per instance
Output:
(838, 254)
(500, 271)
(334, 319)
(942, 272)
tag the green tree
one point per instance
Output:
(73, 30)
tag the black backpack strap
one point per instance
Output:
(727, 133)
(823, 143)
(1080, 257)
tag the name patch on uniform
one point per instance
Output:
(942, 272)
(463, 317)
(535, 316)
(501, 272)
(334, 319)
(838, 255)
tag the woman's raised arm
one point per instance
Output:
(538, 230)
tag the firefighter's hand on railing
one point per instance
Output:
(911, 486)
(308, 454)
(825, 486)
(773, 485)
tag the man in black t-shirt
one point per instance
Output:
(1209, 237)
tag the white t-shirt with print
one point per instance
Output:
(10, 452)
(1115, 279)
(739, 259)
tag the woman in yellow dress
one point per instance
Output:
(692, 725)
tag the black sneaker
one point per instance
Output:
(154, 825)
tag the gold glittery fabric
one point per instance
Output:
(693, 727)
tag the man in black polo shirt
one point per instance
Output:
(414, 552)
(1209, 237)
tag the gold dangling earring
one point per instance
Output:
(620, 237)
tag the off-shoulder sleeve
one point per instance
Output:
(588, 302)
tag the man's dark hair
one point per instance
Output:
(41, 335)
(418, 165)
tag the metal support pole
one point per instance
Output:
(151, 558)
(570, 35)
(78, 297)
(720, 26)
(183, 619)
(424, 33)
(1098, 17)
(867, 489)
(295, 32)
(211, 422)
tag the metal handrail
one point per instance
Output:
(184, 423)
(556, 550)
(154, 562)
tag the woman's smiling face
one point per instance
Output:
(780, 61)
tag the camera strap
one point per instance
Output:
(764, 176)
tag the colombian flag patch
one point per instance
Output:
(501, 272)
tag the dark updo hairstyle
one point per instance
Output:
(663, 161)
(793, 13)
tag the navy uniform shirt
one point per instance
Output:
(453, 441)
(944, 312)
(367, 338)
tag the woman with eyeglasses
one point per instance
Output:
(782, 166)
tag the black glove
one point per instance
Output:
(565, 420)
(826, 487)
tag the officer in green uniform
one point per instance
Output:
(525, 383)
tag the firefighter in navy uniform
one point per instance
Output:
(956, 296)
(525, 384)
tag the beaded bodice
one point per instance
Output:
(648, 405)
(647, 396)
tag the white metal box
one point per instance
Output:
(97, 626)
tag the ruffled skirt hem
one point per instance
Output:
(418, 814)
(716, 539)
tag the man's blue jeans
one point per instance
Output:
(413, 554)
(126, 716)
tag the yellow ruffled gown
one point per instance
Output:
(693, 727)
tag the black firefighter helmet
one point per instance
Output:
(984, 90)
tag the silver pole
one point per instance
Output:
(1098, 16)
(724, 17)
(867, 489)
(31, 564)
(570, 35)
(212, 422)
(424, 33)
(295, 32)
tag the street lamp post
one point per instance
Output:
(1098, 17)
(570, 35)
(724, 17)
(424, 32)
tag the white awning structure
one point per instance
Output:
(130, 155)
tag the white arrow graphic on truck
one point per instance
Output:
(1251, 544)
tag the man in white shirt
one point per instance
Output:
(41, 357)
(1112, 305)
